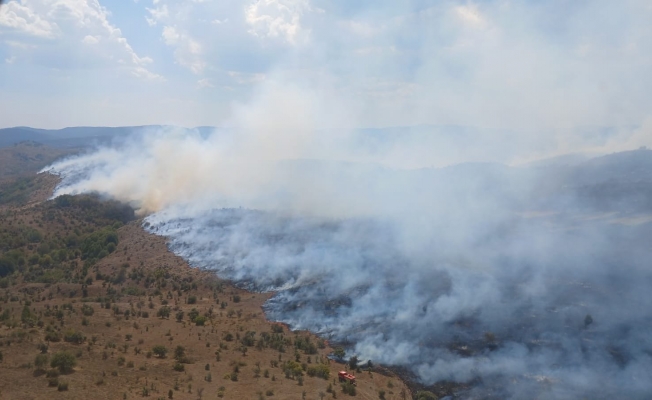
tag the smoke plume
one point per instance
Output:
(430, 247)
(476, 273)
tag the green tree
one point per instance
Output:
(160, 351)
(64, 361)
(73, 336)
(7, 266)
(163, 312)
(27, 316)
(179, 353)
(193, 314)
(353, 362)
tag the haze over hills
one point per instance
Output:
(454, 144)
(66, 137)
(480, 274)
(475, 240)
(608, 177)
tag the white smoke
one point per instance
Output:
(414, 268)
(473, 273)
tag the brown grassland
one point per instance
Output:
(94, 307)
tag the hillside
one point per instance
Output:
(91, 306)
(26, 158)
(63, 138)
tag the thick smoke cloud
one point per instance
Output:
(476, 273)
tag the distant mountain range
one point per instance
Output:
(80, 136)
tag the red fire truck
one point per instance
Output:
(346, 377)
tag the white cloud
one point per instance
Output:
(170, 35)
(20, 45)
(364, 29)
(188, 52)
(10, 60)
(278, 18)
(204, 83)
(470, 15)
(89, 39)
(69, 22)
(505, 64)
(157, 14)
(22, 18)
(244, 78)
(144, 73)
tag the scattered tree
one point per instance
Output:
(64, 361)
(160, 351)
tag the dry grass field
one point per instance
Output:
(93, 307)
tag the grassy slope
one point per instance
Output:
(24, 159)
(67, 265)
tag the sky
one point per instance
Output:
(525, 66)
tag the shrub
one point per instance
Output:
(73, 336)
(64, 361)
(52, 373)
(192, 300)
(339, 353)
(179, 353)
(349, 389)
(425, 395)
(178, 367)
(163, 312)
(41, 361)
(160, 351)
(320, 370)
(200, 321)
(62, 387)
(588, 320)
(53, 337)
(87, 310)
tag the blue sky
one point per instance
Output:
(500, 64)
